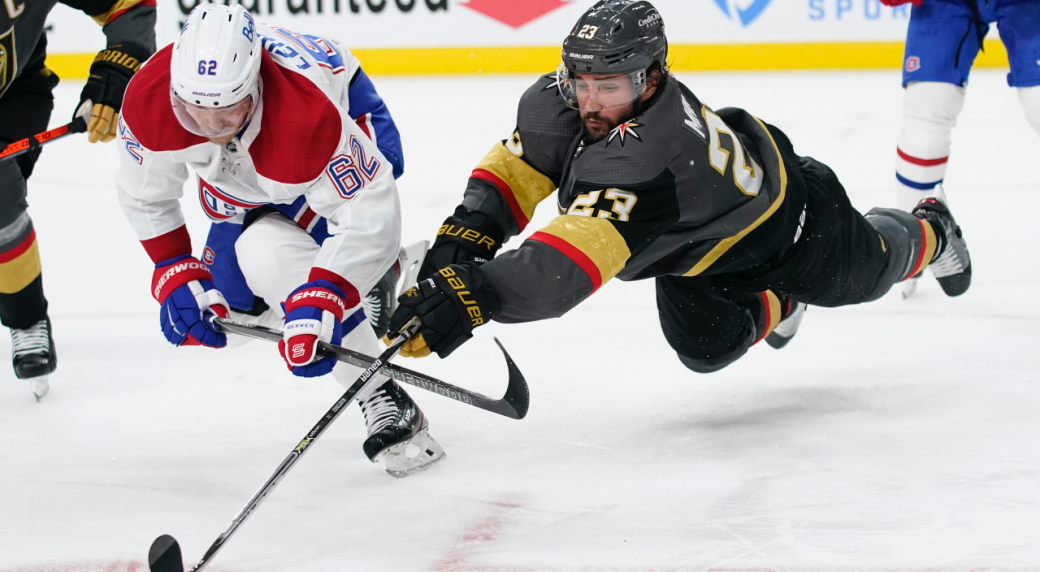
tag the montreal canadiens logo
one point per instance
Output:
(913, 63)
(219, 205)
(208, 256)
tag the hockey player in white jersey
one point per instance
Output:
(293, 181)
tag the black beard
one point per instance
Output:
(591, 137)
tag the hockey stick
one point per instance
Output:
(165, 554)
(513, 405)
(78, 125)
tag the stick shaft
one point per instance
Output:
(77, 125)
(514, 406)
(367, 378)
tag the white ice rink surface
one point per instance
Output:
(900, 436)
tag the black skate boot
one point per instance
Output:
(398, 432)
(792, 314)
(951, 264)
(379, 301)
(33, 355)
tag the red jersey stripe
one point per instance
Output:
(507, 192)
(575, 254)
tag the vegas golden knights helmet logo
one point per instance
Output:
(8, 61)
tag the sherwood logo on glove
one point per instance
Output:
(320, 294)
(175, 270)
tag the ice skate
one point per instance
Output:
(33, 355)
(398, 432)
(788, 326)
(952, 266)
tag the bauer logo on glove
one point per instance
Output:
(449, 305)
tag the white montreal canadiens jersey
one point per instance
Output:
(301, 142)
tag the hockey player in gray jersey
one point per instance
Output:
(738, 231)
(25, 109)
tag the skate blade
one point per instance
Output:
(910, 287)
(41, 385)
(410, 457)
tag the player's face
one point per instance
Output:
(220, 125)
(605, 102)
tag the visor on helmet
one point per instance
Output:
(213, 122)
(592, 92)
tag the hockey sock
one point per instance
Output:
(930, 111)
(772, 313)
(24, 308)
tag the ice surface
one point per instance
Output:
(896, 436)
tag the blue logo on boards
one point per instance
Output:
(745, 15)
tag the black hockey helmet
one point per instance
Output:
(614, 37)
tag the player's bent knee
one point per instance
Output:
(935, 102)
(275, 255)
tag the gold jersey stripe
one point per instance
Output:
(18, 273)
(594, 237)
(725, 244)
(529, 187)
(118, 6)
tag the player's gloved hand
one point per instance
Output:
(466, 236)
(901, 2)
(313, 312)
(449, 305)
(184, 288)
(102, 97)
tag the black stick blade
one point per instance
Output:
(165, 555)
(517, 393)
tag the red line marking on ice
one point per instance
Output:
(476, 538)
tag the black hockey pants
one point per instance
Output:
(25, 110)
(841, 258)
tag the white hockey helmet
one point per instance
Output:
(215, 70)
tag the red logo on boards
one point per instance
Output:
(515, 13)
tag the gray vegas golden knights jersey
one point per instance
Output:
(680, 190)
(23, 43)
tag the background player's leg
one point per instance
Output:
(708, 328)
(25, 110)
(930, 111)
(1030, 98)
(276, 257)
(942, 41)
(1019, 25)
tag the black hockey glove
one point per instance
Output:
(466, 236)
(109, 75)
(449, 305)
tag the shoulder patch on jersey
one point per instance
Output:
(147, 110)
(542, 109)
(300, 128)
